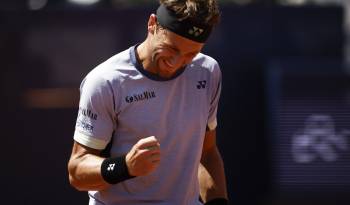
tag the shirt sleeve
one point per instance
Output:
(215, 96)
(96, 117)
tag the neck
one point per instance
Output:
(143, 56)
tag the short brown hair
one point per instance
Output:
(200, 11)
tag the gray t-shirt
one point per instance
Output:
(120, 99)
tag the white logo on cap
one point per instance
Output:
(195, 31)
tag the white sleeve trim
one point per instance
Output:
(89, 141)
(212, 125)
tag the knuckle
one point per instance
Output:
(138, 143)
(141, 141)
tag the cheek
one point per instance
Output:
(156, 54)
(159, 54)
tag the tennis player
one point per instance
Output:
(145, 131)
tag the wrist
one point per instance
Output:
(114, 170)
(217, 201)
(128, 166)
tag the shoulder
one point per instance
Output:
(110, 72)
(206, 62)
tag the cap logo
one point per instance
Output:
(188, 28)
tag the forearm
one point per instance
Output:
(88, 171)
(211, 176)
(85, 173)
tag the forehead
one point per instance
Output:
(181, 43)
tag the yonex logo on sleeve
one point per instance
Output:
(201, 84)
(111, 167)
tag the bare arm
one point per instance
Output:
(211, 173)
(84, 169)
(84, 166)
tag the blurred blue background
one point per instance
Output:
(284, 115)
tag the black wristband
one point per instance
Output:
(217, 201)
(114, 170)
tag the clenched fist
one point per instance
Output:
(144, 157)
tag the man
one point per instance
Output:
(153, 108)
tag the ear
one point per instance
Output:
(152, 22)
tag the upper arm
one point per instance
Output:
(209, 143)
(215, 92)
(79, 153)
(94, 127)
(84, 168)
(80, 150)
(96, 118)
